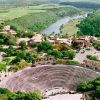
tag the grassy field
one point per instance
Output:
(15, 12)
(70, 27)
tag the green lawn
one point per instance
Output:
(70, 27)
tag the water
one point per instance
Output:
(55, 27)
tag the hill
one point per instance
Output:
(82, 4)
(19, 2)
(41, 20)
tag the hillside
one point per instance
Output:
(90, 25)
(40, 21)
(82, 4)
(43, 1)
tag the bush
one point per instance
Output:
(96, 45)
(23, 45)
(4, 91)
(45, 46)
(93, 86)
(2, 66)
(33, 45)
(5, 94)
(57, 54)
(68, 54)
(27, 56)
(90, 57)
(71, 62)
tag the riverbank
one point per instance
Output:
(36, 22)
(57, 25)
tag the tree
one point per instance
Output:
(23, 45)
(55, 53)
(69, 54)
(64, 47)
(89, 26)
(93, 87)
(10, 39)
(10, 51)
(23, 55)
(33, 44)
(45, 46)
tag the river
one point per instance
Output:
(55, 27)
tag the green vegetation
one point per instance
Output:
(96, 45)
(90, 57)
(67, 62)
(2, 66)
(69, 54)
(24, 55)
(45, 46)
(69, 28)
(23, 45)
(39, 21)
(8, 13)
(92, 87)
(5, 94)
(7, 39)
(91, 24)
(63, 51)
(34, 2)
(57, 54)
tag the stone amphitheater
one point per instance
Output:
(48, 76)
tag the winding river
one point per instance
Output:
(56, 26)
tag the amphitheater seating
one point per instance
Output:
(48, 76)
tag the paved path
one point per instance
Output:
(1, 58)
(82, 56)
(65, 97)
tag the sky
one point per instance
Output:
(96, 1)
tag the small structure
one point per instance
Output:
(6, 47)
(82, 42)
(64, 41)
(7, 29)
(26, 40)
(37, 38)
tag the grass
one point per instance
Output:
(38, 21)
(8, 60)
(70, 27)
(15, 12)
(2, 66)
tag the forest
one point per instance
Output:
(91, 24)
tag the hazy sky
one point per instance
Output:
(97, 1)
